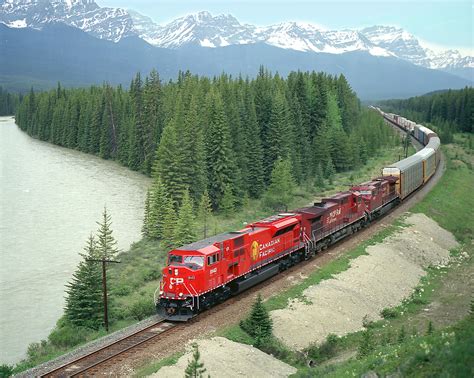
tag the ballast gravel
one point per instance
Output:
(87, 348)
(225, 358)
(382, 278)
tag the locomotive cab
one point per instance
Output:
(179, 286)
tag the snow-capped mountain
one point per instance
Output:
(101, 22)
(406, 46)
(205, 30)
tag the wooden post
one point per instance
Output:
(104, 288)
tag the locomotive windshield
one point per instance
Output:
(192, 262)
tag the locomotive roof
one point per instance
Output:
(200, 244)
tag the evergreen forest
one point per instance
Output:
(8, 102)
(222, 136)
(449, 111)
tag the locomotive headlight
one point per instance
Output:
(176, 272)
(180, 294)
(161, 292)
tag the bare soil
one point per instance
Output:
(381, 279)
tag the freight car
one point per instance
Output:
(202, 274)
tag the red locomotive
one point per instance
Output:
(209, 271)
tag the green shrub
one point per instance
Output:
(6, 371)
(141, 309)
(389, 313)
(326, 350)
(66, 336)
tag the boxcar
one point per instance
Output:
(435, 144)
(409, 172)
(428, 157)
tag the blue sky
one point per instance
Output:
(440, 23)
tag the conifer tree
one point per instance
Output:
(279, 133)
(282, 185)
(228, 201)
(169, 224)
(146, 216)
(367, 344)
(430, 328)
(330, 171)
(169, 161)
(106, 243)
(204, 212)
(84, 305)
(219, 156)
(195, 368)
(259, 325)
(319, 176)
(185, 225)
(158, 200)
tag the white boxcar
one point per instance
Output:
(409, 172)
(435, 144)
(428, 157)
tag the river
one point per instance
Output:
(50, 200)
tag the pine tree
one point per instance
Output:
(195, 368)
(319, 176)
(106, 243)
(84, 305)
(259, 325)
(367, 344)
(158, 200)
(219, 155)
(430, 328)
(169, 161)
(282, 185)
(169, 224)
(185, 226)
(204, 212)
(147, 225)
(330, 171)
(227, 206)
(402, 335)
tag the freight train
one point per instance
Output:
(204, 273)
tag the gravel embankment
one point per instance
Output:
(381, 279)
(88, 348)
(225, 358)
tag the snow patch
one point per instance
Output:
(18, 24)
(206, 43)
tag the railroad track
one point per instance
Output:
(90, 363)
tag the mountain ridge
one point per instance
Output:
(62, 53)
(206, 30)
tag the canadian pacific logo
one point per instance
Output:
(255, 248)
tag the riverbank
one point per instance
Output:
(51, 198)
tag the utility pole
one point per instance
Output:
(104, 287)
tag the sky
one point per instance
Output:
(440, 24)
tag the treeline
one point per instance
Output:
(8, 102)
(222, 135)
(450, 112)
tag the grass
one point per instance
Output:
(157, 365)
